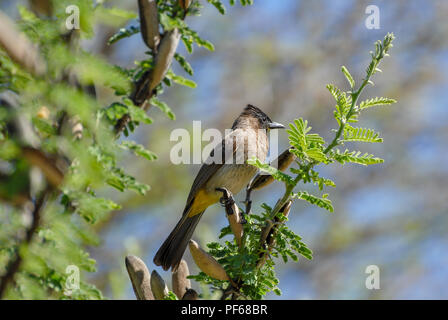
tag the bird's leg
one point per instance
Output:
(247, 202)
(227, 201)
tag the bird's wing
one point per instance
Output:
(207, 170)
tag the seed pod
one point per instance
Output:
(164, 57)
(158, 286)
(140, 278)
(207, 263)
(149, 23)
(184, 4)
(286, 208)
(190, 294)
(233, 214)
(179, 279)
(151, 78)
(235, 223)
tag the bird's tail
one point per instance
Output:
(172, 250)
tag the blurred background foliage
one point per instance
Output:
(279, 55)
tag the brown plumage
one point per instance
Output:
(248, 138)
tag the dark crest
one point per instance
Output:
(254, 112)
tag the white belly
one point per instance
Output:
(233, 177)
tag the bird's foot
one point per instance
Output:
(226, 200)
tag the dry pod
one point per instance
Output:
(179, 279)
(158, 286)
(163, 60)
(207, 263)
(149, 23)
(236, 225)
(184, 4)
(140, 278)
(286, 208)
(233, 215)
(190, 294)
(151, 78)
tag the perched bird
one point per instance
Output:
(226, 168)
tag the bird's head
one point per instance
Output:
(254, 118)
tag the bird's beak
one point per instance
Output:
(276, 125)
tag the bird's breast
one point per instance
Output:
(235, 174)
(233, 177)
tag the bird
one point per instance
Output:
(225, 168)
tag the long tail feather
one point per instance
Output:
(172, 250)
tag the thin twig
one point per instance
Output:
(14, 265)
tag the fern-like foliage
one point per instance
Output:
(360, 134)
(376, 102)
(323, 202)
(312, 150)
(305, 145)
(355, 157)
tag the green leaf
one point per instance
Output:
(317, 154)
(123, 33)
(297, 134)
(323, 202)
(355, 157)
(170, 296)
(360, 134)
(169, 23)
(116, 111)
(305, 144)
(275, 173)
(192, 36)
(188, 43)
(183, 63)
(376, 102)
(314, 175)
(343, 102)
(180, 80)
(314, 138)
(122, 181)
(136, 113)
(44, 126)
(113, 16)
(139, 150)
(218, 5)
(335, 91)
(163, 106)
(348, 76)
(93, 209)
